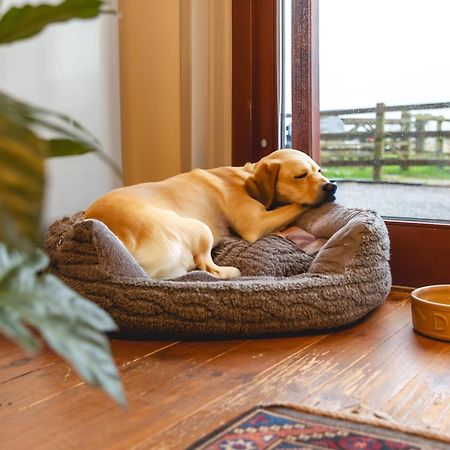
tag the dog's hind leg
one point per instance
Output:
(201, 251)
(186, 245)
(205, 262)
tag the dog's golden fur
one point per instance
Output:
(171, 226)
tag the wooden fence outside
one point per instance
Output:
(373, 141)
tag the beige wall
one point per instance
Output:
(211, 83)
(150, 88)
(175, 86)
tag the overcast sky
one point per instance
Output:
(391, 51)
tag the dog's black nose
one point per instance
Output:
(329, 188)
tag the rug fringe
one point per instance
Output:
(379, 419)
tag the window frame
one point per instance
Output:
(420, 251)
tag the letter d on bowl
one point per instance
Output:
(440, 322)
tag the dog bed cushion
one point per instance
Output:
(283, 290)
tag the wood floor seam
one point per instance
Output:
(354, 363)
(138, 447)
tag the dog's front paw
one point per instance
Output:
(228, 272)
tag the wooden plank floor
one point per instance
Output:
(178, 391)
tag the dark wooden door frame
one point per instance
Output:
(305, 86)
(255, 79)
(420, 252)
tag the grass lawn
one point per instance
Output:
(390, 173)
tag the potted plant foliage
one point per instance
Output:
(35, 305)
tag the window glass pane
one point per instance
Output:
(385, 104)
(285, 68)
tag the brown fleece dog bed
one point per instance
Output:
(283, 290)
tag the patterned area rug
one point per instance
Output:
(282, 428)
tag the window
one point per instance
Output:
(304, 126)
(384, 103)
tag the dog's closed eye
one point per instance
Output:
(303, 175)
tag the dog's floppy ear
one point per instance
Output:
(261, 185)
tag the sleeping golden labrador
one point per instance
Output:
(171, 226)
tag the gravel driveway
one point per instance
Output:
(397, 200)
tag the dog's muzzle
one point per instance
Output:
(330, 189)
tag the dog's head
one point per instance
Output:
(289, 176)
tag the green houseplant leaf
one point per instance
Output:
(23, 151)
(73, 138)
(26, 21)
(71, 325)
(45, 121)
(22, 156)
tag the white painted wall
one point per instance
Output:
(72, 68)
